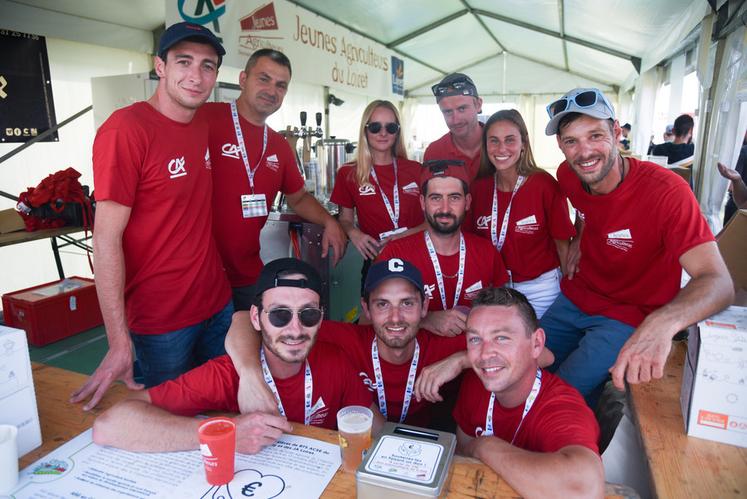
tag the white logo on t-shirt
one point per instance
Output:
(471, 292)
(319, 412)
(483, 222)
(230, 151)
(208, 164)
(272, 162)
(177, 168)
(366, 190)
(527, 225)
(429, 289)
(367, 381)
(620, 239)
(411, 188)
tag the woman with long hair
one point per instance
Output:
(380, 186)
(519, 207)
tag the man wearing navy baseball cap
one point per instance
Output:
(159, 277)
(402, 365)
(639, 225)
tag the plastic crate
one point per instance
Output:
(53, 311)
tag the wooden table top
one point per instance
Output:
(61, 421)
(22, 236)
(683, 466)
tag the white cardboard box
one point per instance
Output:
(17, 395)
(714, 382)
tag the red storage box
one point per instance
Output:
(53, 311)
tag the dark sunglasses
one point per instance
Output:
(281, 316)
(375, 127)
(458, 86)
(582, 100)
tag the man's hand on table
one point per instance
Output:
(116, 365)
(643, 356)
(256, 431)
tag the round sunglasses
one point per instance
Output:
(375, 127)
(281, 316)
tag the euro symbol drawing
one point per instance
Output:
(3, 84)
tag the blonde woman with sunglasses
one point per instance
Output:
(380, 186)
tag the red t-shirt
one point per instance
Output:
(160, 168)
(444, 148)
(483, 267)
(214, 386)
(558, 418)
(632, 240)
(356, 342)
(373, 217)
(238, 237)
(539, 215)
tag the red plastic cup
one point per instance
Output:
(218, 448)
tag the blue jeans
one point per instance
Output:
(162, 357)
(585, 346)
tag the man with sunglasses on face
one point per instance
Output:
(456, 96)
(251, 163)
(402, 366)
(309, 381)
(639, 225)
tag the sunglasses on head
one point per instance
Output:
(581, 100)
(439, 89)
(281, 316)
(375, 127)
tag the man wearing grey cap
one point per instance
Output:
(621, 303)
(159, 277)
(457, 98)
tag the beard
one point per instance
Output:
(399, 341)
(289, 353)
(603, 172)
(440, 227)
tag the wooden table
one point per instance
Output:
(61, 421)
(683, 466)
(62, 233)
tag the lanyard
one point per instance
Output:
(437, 269)
(242, 147)
(393, 214)
(308, 387)
(498, 241)
(380, 380)
(527, 405)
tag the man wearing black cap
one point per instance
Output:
(402, 365)
(251, 164)
(620, 307)
(456, 96)
(159, 277)
(309, 381)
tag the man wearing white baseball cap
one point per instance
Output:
(621, 303)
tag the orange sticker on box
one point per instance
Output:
(713, 419)
(726, 325)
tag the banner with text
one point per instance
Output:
(320, 51)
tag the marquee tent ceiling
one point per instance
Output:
(507, 46)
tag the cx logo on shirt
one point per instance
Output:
(620, 239)
(483, 222)
(177, 168)
(230, 151)
(366, 190)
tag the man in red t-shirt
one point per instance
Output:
(639, 226)
(456, 96)
(251, 164)
(455, 265)
(401, 365)
(159, 277)
(528, 425)
(309, 382)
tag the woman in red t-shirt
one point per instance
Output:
(380, 186)
(519, 207)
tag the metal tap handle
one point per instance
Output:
(303, 118)
(318, 119)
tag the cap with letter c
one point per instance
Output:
(388, 269)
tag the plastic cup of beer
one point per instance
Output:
(354, 427)
(218, 449)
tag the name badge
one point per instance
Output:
(253, 205)
(390, 233)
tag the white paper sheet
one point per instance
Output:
(294, 467)
(17, 398)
